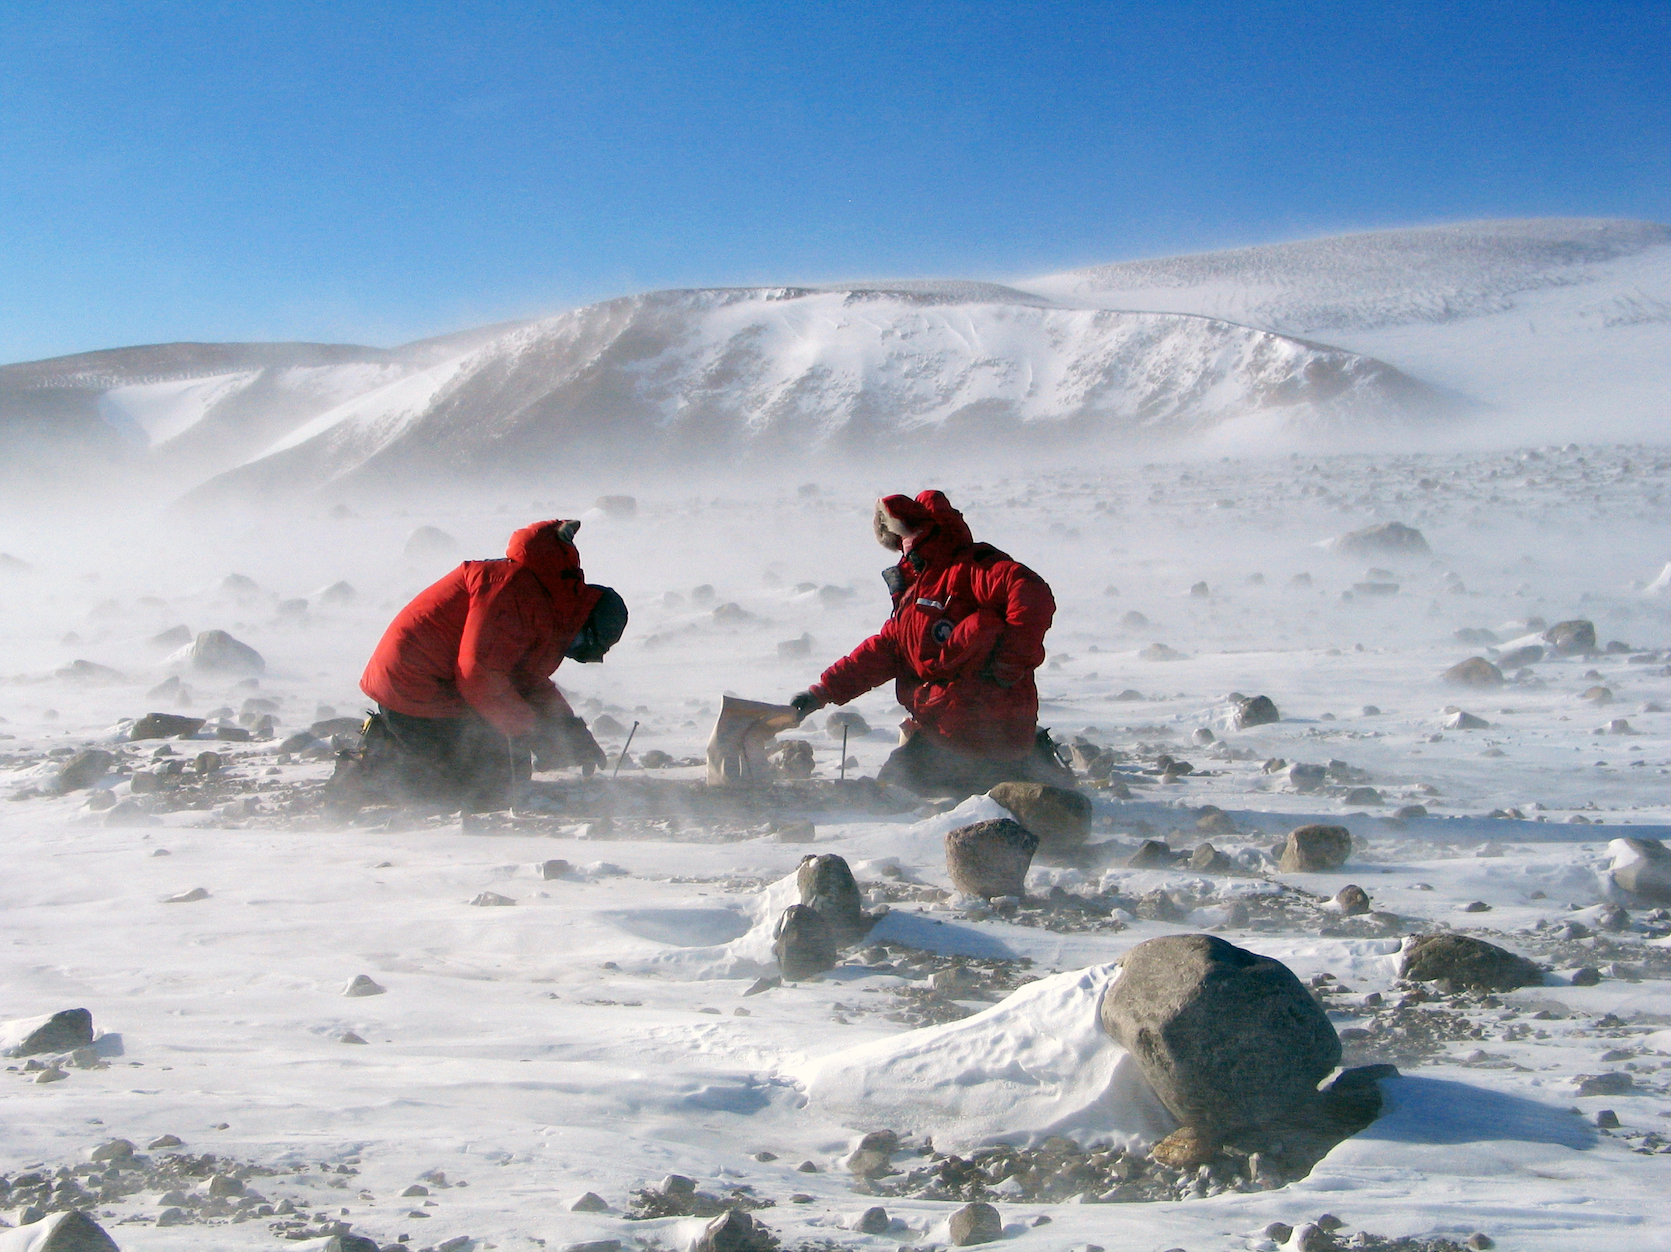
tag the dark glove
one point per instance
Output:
(561, 741)
(805, 703)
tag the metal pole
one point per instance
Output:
(844, 729)
(624, 748)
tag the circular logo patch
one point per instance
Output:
(942, 630)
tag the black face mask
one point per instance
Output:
(603, 629)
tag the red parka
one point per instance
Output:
(488, 636)
(966, 634)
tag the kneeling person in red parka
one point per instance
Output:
(463, 674)
(966, 634)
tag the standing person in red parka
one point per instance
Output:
(966, 634)
(462, 677)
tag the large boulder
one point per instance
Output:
(1475, 672)
(1387, 539)
(1467, 962)
(1253, 711)
(69, 1230)
(803, 943)
(82, 769)
(1642, 867)
(827, 888)
(1058, 817)
(1227, 1039)
(1315, 849)
(216, 652)
(1574, 638)
(63, 1031)
(990, 858)
(165, 726)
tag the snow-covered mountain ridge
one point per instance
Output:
(1566, 319)
(710, 374)
(1564, 322)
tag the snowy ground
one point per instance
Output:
(595, 1036)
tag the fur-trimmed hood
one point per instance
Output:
(903, 524)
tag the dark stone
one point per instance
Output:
(165, 726)
(350, 1243)
(828, 889)
(1256, 711)
(1476, 671)
(1362, 797)
(1209, 860)
(990, 858)
(1574, 638)
(1353, 900)
(1586, 976)
(1467, 962)
(975, 1223)
(1059, 818)
(1316, 848)
(735, 1231)
(796, 760)
(1158, 906)
(1389, 538)
(1614, 1082)
(1227, 1039)
(1152, 855)
(82, 769)
(874, 1221)
(64, 1031)
(1516, 658)
(298, 742)
(803, 943)
(75, 1232)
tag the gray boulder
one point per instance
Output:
(82, 769)
(1255, 711)
(1643, 868)
(1227, 1039)
(1467, 962)
(216, 652)
(802, 943)
(1574, 638)
(990, 858)
(828, 889)
(1316, 848)
(69, 1231)
(1353, 900)
(975, 1223)
(1387, 539)
(63, 1031)
(1476, 672)
(165, 726)
(735, 1230)
(1059, 818)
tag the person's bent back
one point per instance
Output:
(462, 675)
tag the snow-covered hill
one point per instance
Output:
(1563, 320)
(712, 374)
(191, 409)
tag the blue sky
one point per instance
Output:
(377, 172)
